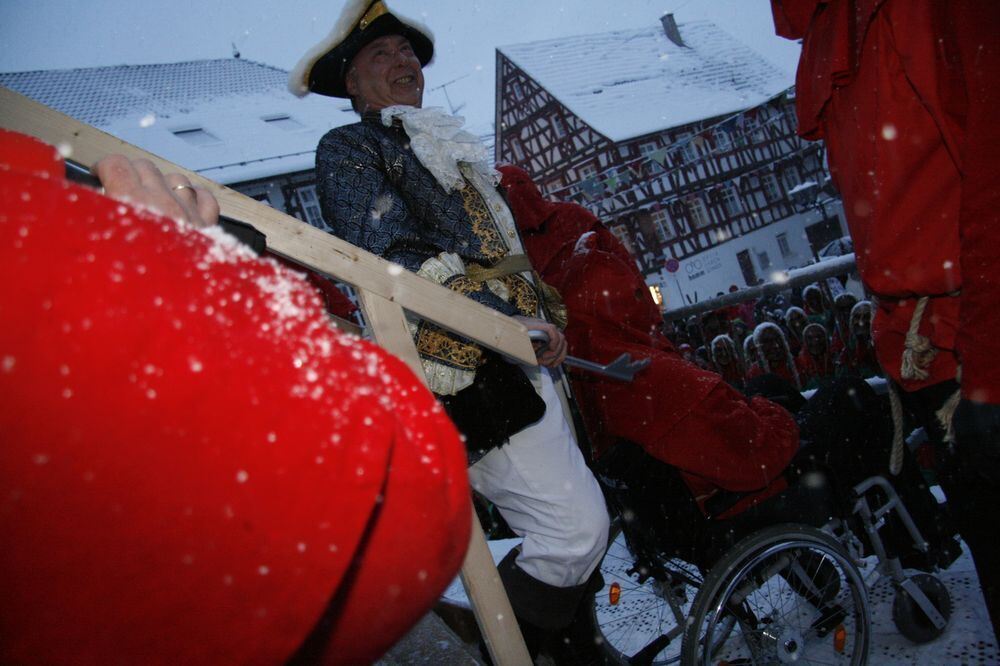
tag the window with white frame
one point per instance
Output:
(309, 203)
(661, 222)
(558, 127)
(621, 233)
(763, 261)
(731, 201)
(688, 149)
(772, 191)
(783, 247)
(791, 177)
(647, 149)
(722, 140)
(583, 173)
(698, 213)
(515, 147)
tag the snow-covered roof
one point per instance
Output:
(628, 83)
(802, 187)
(232, 120)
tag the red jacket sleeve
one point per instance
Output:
(791, 17)
(971, 31)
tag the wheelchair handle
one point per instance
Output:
(622, 368)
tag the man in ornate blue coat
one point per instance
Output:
(410, 185)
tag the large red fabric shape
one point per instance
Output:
(194, 464)
(678, 413)
(905, 92)
(550, 230)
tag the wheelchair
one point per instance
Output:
(754, 589)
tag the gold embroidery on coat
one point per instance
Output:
(439, 345)
(522, 295)
(483, 225)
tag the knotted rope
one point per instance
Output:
(947, 411)
(918, 354)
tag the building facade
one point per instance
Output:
(682, 141)
(231, 120)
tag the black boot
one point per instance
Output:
(555, 620)
(581, 643)
(542, 610)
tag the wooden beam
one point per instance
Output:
(388, 323)
(487, 596)
(490, 604)
(288, 236)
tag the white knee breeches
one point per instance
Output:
(544, 490)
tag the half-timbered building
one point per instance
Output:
(682, 140)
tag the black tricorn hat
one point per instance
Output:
(323, 68)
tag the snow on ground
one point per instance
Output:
(968, 639)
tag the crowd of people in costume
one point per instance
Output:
(808, 343)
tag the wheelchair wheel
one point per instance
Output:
(784, 594)
(911, 620)
(640, 612)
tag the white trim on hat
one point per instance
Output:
(298, 78)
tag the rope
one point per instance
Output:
(917, 356)
(918, 351)
(897, 451)
(947, 411)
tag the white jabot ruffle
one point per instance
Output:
(439, 142)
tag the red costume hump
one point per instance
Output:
(194, 463)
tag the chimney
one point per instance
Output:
(670, 28)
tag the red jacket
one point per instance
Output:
(194, 464)
(550, 230)
(783, 371)
(905, 92)
(809, 367)
(677, 412)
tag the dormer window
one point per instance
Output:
(196, 136)
(283, 121)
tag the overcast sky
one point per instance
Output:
(61, 34)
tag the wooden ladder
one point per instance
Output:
(384, 293)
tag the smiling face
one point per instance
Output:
(386, 72)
